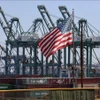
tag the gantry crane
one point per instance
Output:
(11, 34)
(65, 13)
(56, 59)
(24, 46)
(88, 43)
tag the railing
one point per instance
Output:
(51, 94)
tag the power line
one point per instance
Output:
(9, 15)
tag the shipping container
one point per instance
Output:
(5, 86)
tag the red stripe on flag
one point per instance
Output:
(47, 36)
(47, 42)
(62, 44)
(54, 41)
(69, 43)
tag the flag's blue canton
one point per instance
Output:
(65, 26)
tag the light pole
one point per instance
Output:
(81, 50)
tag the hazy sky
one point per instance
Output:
(26, 11)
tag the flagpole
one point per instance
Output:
(81, 47)
(73, 45)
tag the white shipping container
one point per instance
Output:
(77, 38)
(96, 39)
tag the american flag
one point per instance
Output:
(58, 38)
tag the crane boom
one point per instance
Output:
(66, 13)
(44, 14)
